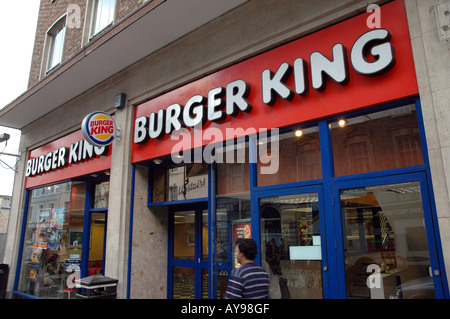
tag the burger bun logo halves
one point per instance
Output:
(98, 129)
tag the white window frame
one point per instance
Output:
(57, 32)
(102, 16)
(89, 31)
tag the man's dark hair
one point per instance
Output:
(248, 247)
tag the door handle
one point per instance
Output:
(432, 272)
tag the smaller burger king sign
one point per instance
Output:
(98, 129)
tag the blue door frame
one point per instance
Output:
(87, 216)
(88, 211)
(198, 264)
(439, 280)
(256, 221)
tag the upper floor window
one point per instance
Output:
(56, 43)
(102, 15)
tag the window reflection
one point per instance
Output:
(233, 175)
(291, 246)
(101, 194)
(180, 182)
(298, 156)
(384, 231)
(53, 239)
(232, 210)
(232, 221)
(377, 141)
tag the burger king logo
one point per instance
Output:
(98, 129)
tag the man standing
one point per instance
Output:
(249, 280)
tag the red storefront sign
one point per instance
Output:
(65, 158)
(320, 75)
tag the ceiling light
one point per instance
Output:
(342, 123)
(298, 133)
(157, 161)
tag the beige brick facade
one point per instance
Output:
(49, 13)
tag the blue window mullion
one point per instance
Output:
(22, 239)
(212, 222)
(331, 224)
(169, 255)
(254, 210)
(330, 287)
(86, 231)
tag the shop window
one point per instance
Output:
(53, 239)
(233, 214)
(101, 194)
(376, 141)
(233, 221)
(298, 156)
(233, 173)
(180, 183)
(291, 245)
(385, 238)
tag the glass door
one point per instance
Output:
(188, 278)
(389, 250)
(97, 243)
(293, 242)
(97, 221)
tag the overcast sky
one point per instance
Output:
(17, 30)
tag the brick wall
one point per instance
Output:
(49, 13)
(126, 6)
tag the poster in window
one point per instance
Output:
(32, 272)
(54, 239)
(57, 220)
(75, 238)
(35, 255)
(40, 237)
(242, 231)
